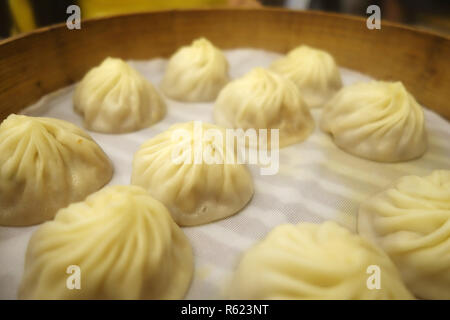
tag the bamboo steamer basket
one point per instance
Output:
(37, 63)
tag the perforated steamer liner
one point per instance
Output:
(316, 180)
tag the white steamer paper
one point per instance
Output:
(316, 182)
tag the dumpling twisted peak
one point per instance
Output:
(196, 191)
(262, 99)
(114, 98)
(45, 165)
(310, 261)
(411, 221)
(313, 71)
(376, 120)
(195, 73)
(125, 243)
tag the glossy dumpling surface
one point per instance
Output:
(377, 120)
(410, 220)
(262, 99)
(195, 73)
(312, 261)
(115, 98)
(45, 165)
(124, 244)
(314, 71)
(195, 190)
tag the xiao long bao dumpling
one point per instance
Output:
(196, 191)
(315, 261)
(195, 73)
(45, 165)
(124, 242)
(314, 72)
(262, 99)
(378, 120)
(411, 221)
(115, 98)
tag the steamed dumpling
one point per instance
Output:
(377, 120)
(313, 71)
(262, 99)
(196, 190)
(45, 165)
(411, 222)
(115, 98)
(195, 73)
(311, 261)
(124, 242)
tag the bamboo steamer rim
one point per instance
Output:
(273, 9)
(49, 58)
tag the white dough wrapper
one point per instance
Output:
(314, 72)
(196, 191)
(410, 220)
(262, 99)
(115, 98)
(316, 261)
(195, 73)
(120, 243)
(45, 165)
(377, 120)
